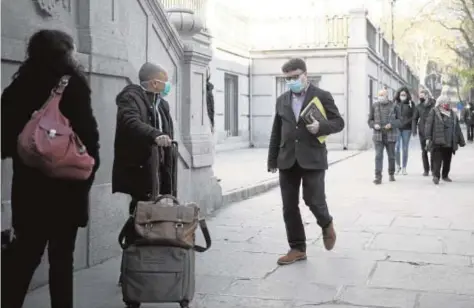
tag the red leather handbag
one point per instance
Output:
(49, 144)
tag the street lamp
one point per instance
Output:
(392, 6)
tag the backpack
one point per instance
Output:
(49, 144)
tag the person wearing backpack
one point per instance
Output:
(47, 112)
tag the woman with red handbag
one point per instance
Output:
(47, 206)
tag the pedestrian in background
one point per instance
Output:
(421, 114)
(468, 116)
(210, 100)
(407, 125)
(384, 119)
(297, 151)
(444, 135)
(46, 211)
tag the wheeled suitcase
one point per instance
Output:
(153, 273)
(158, 274)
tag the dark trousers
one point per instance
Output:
(379, 148)
(470, 132)
(424, 156)
(441, 159)
(313, 195)
(26, 254)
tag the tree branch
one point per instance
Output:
(467, 11)
(459, 53)
(415, 21)
(463, 32)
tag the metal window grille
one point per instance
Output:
(231, 92)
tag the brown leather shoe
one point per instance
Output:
(329, 236)
(292, 256)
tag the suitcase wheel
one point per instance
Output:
(184, 304)
(132, 305)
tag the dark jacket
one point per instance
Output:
(210, 102)
(290, 140)
(136, 130)
(421, 114)
(407, 113)
(435, 130)
(377, 110)
(35, 196)
(468, 115)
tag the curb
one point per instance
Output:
(244, 193)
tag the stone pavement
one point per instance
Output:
(239, 184)
(408, 244)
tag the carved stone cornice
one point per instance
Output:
(48, 7)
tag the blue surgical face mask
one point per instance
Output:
(166, 90)
(296, 86)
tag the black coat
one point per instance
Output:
(136, 130)
(290, 140)
(210, 102)
(35, 196)
(421, 114)
(435, 130)
(468, 115)
(407, 114)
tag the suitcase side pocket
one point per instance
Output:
(154, 274)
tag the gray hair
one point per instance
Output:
(443, 99)
(148, 71)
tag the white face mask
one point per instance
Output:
(403, 98)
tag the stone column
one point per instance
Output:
(195, 125)
(358, 28)
(358, 81)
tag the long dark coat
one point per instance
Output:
(37, 198)
(137, 127)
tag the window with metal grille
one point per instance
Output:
(371, 91)
(231, 112)
(281, 86)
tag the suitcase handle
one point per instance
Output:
(161, 197)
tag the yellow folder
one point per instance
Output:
(320, 107)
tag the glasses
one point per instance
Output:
(294, 77)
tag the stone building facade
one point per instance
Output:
(346, 55)
(114, 38)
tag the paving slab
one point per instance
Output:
(433, 278)
(407, 244)
(378, 297)
(445, 300)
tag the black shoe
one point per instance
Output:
(378, 181)
(426, 173)
(447, 179)
(435, 180)
(391, 178)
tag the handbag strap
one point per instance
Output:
(123, 233)
(57, 91)
(207, 236)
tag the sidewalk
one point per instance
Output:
(239, 183)
(408, 244)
